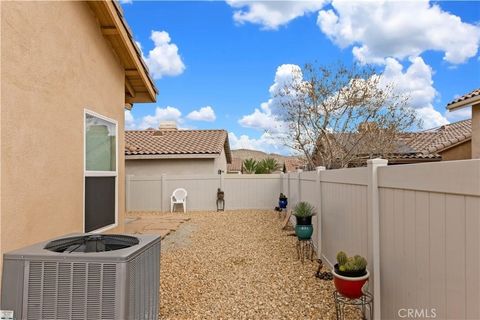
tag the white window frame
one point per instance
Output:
(87, 173)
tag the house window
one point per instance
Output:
(101, 173)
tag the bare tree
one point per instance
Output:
(338, 116)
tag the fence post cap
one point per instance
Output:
(377, 161)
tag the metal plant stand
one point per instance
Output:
(305, 249)
(220, 200)
(220, 204)
(365, 303)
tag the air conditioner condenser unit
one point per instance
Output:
(84, 277)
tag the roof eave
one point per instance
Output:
(228, 151)
(139, 87)
(171, 156)
(464, 103)
(453, 145)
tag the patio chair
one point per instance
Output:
(179, 196)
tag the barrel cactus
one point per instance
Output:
(345, 263)
(342, 258)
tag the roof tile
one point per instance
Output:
(171, 142)
(469, 95)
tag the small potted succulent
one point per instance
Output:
(282, 201)
(304, 212)
(350, 275)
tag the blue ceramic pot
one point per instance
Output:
(282, 203)
(304, 232)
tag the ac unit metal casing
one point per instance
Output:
(120, 284)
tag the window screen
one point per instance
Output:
(99, 202)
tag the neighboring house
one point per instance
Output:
(293, 165)
(471, 99)
(69, 70)
(286, 163)
(448, 142)
(236, 166)
(176, 152)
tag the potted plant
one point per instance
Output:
(304, 212)
(282, 201)
(350, 275)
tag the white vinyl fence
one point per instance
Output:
(418, 225)
(152, 193)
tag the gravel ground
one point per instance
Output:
(239, 265)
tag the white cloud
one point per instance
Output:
(126, 1)
(163, 59)
(272, 14)
(129, 120)
(399, 29)
(161, 114)
(265, 118)
(417, 83)
(459, 114)
(266, 143)
(203, 114)
(262, 119)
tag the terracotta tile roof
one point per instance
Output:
(152, 142)
(472, 94)
(292, 164)
(427, 144)
(235, 166)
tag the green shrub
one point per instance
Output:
(304, 209)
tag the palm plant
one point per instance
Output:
(267, 165)
(250, 166)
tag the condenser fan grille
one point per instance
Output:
(92, 243)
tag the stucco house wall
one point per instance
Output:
(156, 167)
(476, 131)
(55, 62)
(459, 152)
(220, 163)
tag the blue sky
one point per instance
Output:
(219, 59)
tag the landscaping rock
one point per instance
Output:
(239, 265)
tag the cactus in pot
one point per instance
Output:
(350, 275)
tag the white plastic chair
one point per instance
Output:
(179, 196)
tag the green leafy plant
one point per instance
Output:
(355, 263)
(250, 166)
(304, 209)
(267, 165)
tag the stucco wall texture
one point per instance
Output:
(476, 131)
(55, 62)
(157, 167)
(459, 152)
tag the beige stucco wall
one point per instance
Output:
(476, 131)
(157, 167)
(459, 152)
(220, 163)
(55, 62)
